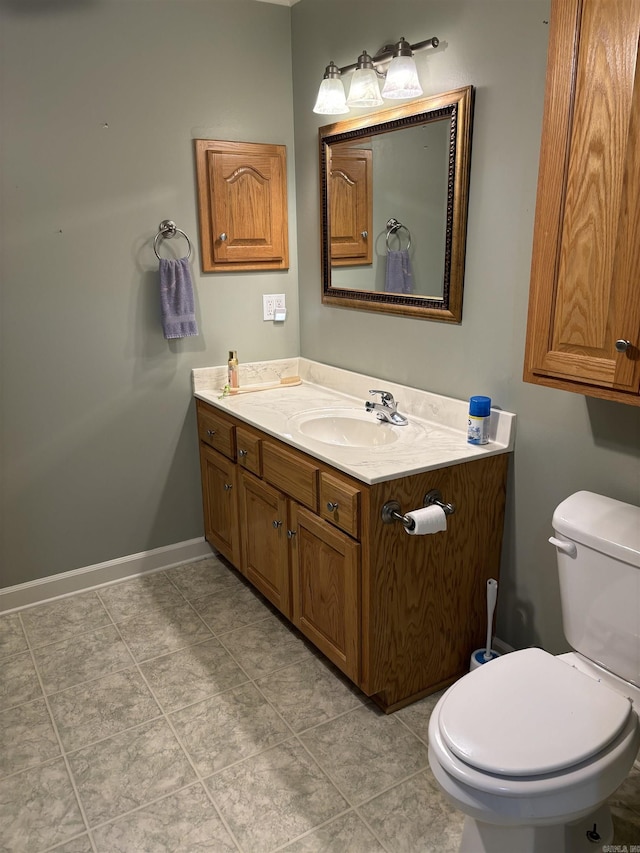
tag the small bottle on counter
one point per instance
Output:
(233, 369)
(479, 418)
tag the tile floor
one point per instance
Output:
(179, 712)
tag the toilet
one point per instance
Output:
(530, 746)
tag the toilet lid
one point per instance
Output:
(528, 713)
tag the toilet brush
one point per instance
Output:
(481, 656)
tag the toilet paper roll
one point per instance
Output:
(429, 519)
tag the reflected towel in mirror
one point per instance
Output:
(176, 299)
(399, 278)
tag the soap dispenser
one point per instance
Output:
(233, 369)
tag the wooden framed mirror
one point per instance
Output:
(394, 188)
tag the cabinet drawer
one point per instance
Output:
(217, 432)
(340, 504)
(249, 448)
(292, 473)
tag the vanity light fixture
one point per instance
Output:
(401, 79)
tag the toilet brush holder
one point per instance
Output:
(487, 654)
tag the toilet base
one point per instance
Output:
(576, 837)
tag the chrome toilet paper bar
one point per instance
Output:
(391, 510)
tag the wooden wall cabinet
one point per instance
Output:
(242, 202)
(351, 214)
(584, 309)
(398, 614)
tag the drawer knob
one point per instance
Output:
(227, 487)
(242, 453)
(276, 524)
(211, 432)
(291, 534)
(332, 507)
(223, 237)
(623, 346)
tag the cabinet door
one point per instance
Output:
(242, 189)
(351, 207)
(586, 255)
(219, 495)
(326, 589)
(265, 545)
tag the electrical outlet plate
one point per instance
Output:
(271, 301)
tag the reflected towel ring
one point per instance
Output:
(393, 226)
(167, 229)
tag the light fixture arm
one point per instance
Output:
(388, 51)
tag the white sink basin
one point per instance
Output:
(345, 427)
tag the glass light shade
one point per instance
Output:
(402, 79)
(331, 100)
(364, 90)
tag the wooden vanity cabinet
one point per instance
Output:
(398, 614)
(584, 312)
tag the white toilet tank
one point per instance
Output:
(600, 580)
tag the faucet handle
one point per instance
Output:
(386, 397)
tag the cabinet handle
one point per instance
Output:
(223, 237)
(332, 507)
(276, 524)
(291, 534)
(364, 234)
(227, 487)
(242, 453)
(623, 346)
(211, 432)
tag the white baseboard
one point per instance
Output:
(67, 583)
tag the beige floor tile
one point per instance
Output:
(27, 737)
(12, 638)
(365, 752)
(274, 797)
(192, 674)
(82, 658)
(101, 708)
(345, 833)
(414, 818)
(38, 809)
(129, 770)
(167, 629)
(202, 577)
(184, 821)
(227, 728)
(64, 618)
(140, 595)
(310, 692)
(18, 681)
(265, 646)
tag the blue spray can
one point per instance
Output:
(479, 418)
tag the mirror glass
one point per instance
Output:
(394, 191)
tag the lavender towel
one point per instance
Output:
(176, 298)
(399, 278)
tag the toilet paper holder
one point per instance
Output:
(391, 510)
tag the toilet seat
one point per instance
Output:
(491, 720)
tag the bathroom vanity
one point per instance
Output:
(294, 481)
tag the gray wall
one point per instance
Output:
(565, 441)
(100, 102)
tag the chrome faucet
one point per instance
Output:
(387, 409)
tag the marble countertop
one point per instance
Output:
(435, 437)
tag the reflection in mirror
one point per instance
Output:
(394, 187)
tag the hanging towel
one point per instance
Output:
(176, 299)
(399, 277)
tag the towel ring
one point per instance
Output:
(394, 226)
(167, 229)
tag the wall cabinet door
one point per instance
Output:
(219, 494)
(351, 207)
(242, 192)
(326, 588)
(584, 294)
(265, 545)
